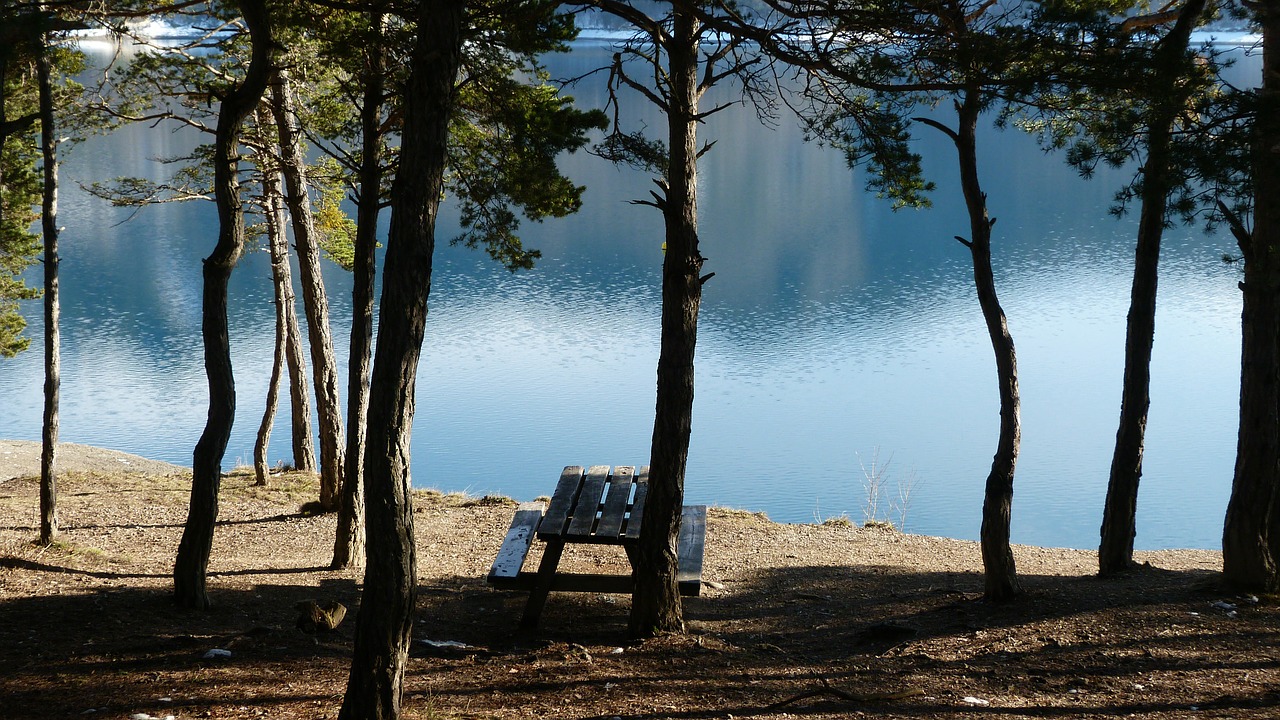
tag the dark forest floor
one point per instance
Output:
(864, 621)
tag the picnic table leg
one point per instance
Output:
(542, 585)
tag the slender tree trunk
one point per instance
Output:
(52, 349)
(304, 447)
(385, 619)
(1119, 518)
(1001, 578)
(655, 600)
(1249, 540)
(348, 546)
(314, 298)
(189, 571)
(279, 248)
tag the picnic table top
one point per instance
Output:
(599, 505)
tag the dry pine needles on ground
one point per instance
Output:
(814, 621)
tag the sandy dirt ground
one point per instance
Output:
(19, 458)
(825, 620)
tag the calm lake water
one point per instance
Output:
(836, 335)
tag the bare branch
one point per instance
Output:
(1242, 235)
(955, 137)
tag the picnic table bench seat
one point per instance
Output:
(600, 506)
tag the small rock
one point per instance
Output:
(971, 700)
(216, 653)
(313, 618)
(577, 652)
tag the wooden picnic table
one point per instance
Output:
(595, 506)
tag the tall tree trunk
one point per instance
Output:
(279, 249)
(52, 345)
(189, 570)
(1000, 574)
(314, 298)
(304, 447)
(655, 600)
(385, 619)
(348, 546)
(1119, 518)
(1249, 540)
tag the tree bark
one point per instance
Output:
(1119, 518)
(1000, 574)
(52, 311)
(304, 447)
(189, 571)
(385, 619)
(655, 601)
(278, 245)
(349, 545)
(315, 300)
(1249, 540)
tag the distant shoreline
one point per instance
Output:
(21, 458)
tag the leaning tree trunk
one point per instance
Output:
(1249, 540)
(278, 245)
(1001, 578)
(655, 599)
(349, 543)
(314, 298)
(1119, 517)
(189, 571)
(52, 345)
(385, 620)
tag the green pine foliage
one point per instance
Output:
(1100, 114)
(22, 29)
(503, 150)
(337, 229)
(510, 126)
(21, 177)
(19, 247)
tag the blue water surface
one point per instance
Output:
(838, 339)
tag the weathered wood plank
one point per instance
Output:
(584, 511)
(515, 546)
(584, 582)
(615, 503)
(690, 547)
(566, 494)
(637, 505)
(542, 583)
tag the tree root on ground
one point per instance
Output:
(851, 697)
